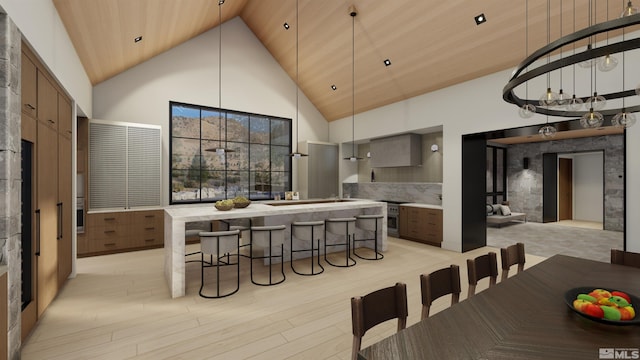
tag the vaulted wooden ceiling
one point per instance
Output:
(432, 44)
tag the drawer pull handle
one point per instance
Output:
(149, 240)
(109, 231)
(30, 106)
(51, 121)
(109, 219)
(150, 228)
(110, 244)
(149, 216)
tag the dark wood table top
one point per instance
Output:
(524, 317)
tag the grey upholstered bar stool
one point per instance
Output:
(369, 223)
(193, 233)
(307, 231)
(218, 246)
(268, 237)
(343, 227)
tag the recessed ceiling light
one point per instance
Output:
(387, 62)
(286, 26)
(334, 88)
(137, 39)
(480, 19)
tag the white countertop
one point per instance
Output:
(200, 212)
(419, 205)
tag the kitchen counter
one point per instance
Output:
(425, 206)
(282, 212)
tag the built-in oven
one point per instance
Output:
(393, 217)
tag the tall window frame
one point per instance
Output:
(258, 167)
(496, 174)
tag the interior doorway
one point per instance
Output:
(581, 189)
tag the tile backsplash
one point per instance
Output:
(427, 193)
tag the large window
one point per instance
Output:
(258, 167)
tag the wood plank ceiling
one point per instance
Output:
(432, 44)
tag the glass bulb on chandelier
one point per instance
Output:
(562, 99)
(527, 111)
(549, 98)
(591, 120)
(607, 63)
(575, 103)
(548, 131)
(590, 62)
(623, 119)
(629, 10)
(596, 102)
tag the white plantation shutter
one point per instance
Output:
(125, 165)
(144, 170)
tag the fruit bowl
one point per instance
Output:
(572, 295)
(240, 202)
(224, 205)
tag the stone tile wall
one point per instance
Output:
(426, 193)
(524, 187)
(10, 177)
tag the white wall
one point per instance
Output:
(476, 106)
(252, 81)
(588, 187)
(40, 24)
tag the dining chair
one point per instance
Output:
(626, 258)
(512, 255)
(437, 284)
(481, 267)
(375, 308)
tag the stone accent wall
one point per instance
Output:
(10, 177)
(524, 187)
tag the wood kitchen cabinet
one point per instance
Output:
(112, 232)
(44, 105)
(421, 224)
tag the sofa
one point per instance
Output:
(499, 215)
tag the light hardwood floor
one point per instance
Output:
(118, 307)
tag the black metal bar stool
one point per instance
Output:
(218, 246)
(369, 223)
(268, 237)
(343, 227)
(304, 230)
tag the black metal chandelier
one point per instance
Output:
(526, 70)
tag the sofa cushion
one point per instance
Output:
(506, 211)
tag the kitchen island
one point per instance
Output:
(261, 213)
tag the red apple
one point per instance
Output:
(600, 294)
(594, 310)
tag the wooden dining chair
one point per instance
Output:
(437, 284)
(375, 308)
(626, 258)
(512, 255)
(481, 267)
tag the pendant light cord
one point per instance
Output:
(353, 82)
(297, 80)
(220, 70)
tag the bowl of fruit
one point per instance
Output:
(604, 305)
(224, 205)
(241, 202)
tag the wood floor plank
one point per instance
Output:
(119, 307)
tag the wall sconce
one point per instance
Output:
(434, 147)
(525, 163)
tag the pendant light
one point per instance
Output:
(220, 150)
(608, 62)
(575, 103)
(623, 119)
(527, 110)
(549, 98)
(563, 100)
(629, 10)
(296, 154)
(353, 13)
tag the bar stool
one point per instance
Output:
(304, 230)
(268, 237)
(192, 233)
(219, 244)
(344, 227)
(369, 223)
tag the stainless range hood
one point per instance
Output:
(396, 151)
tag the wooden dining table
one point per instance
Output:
(524, 317)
